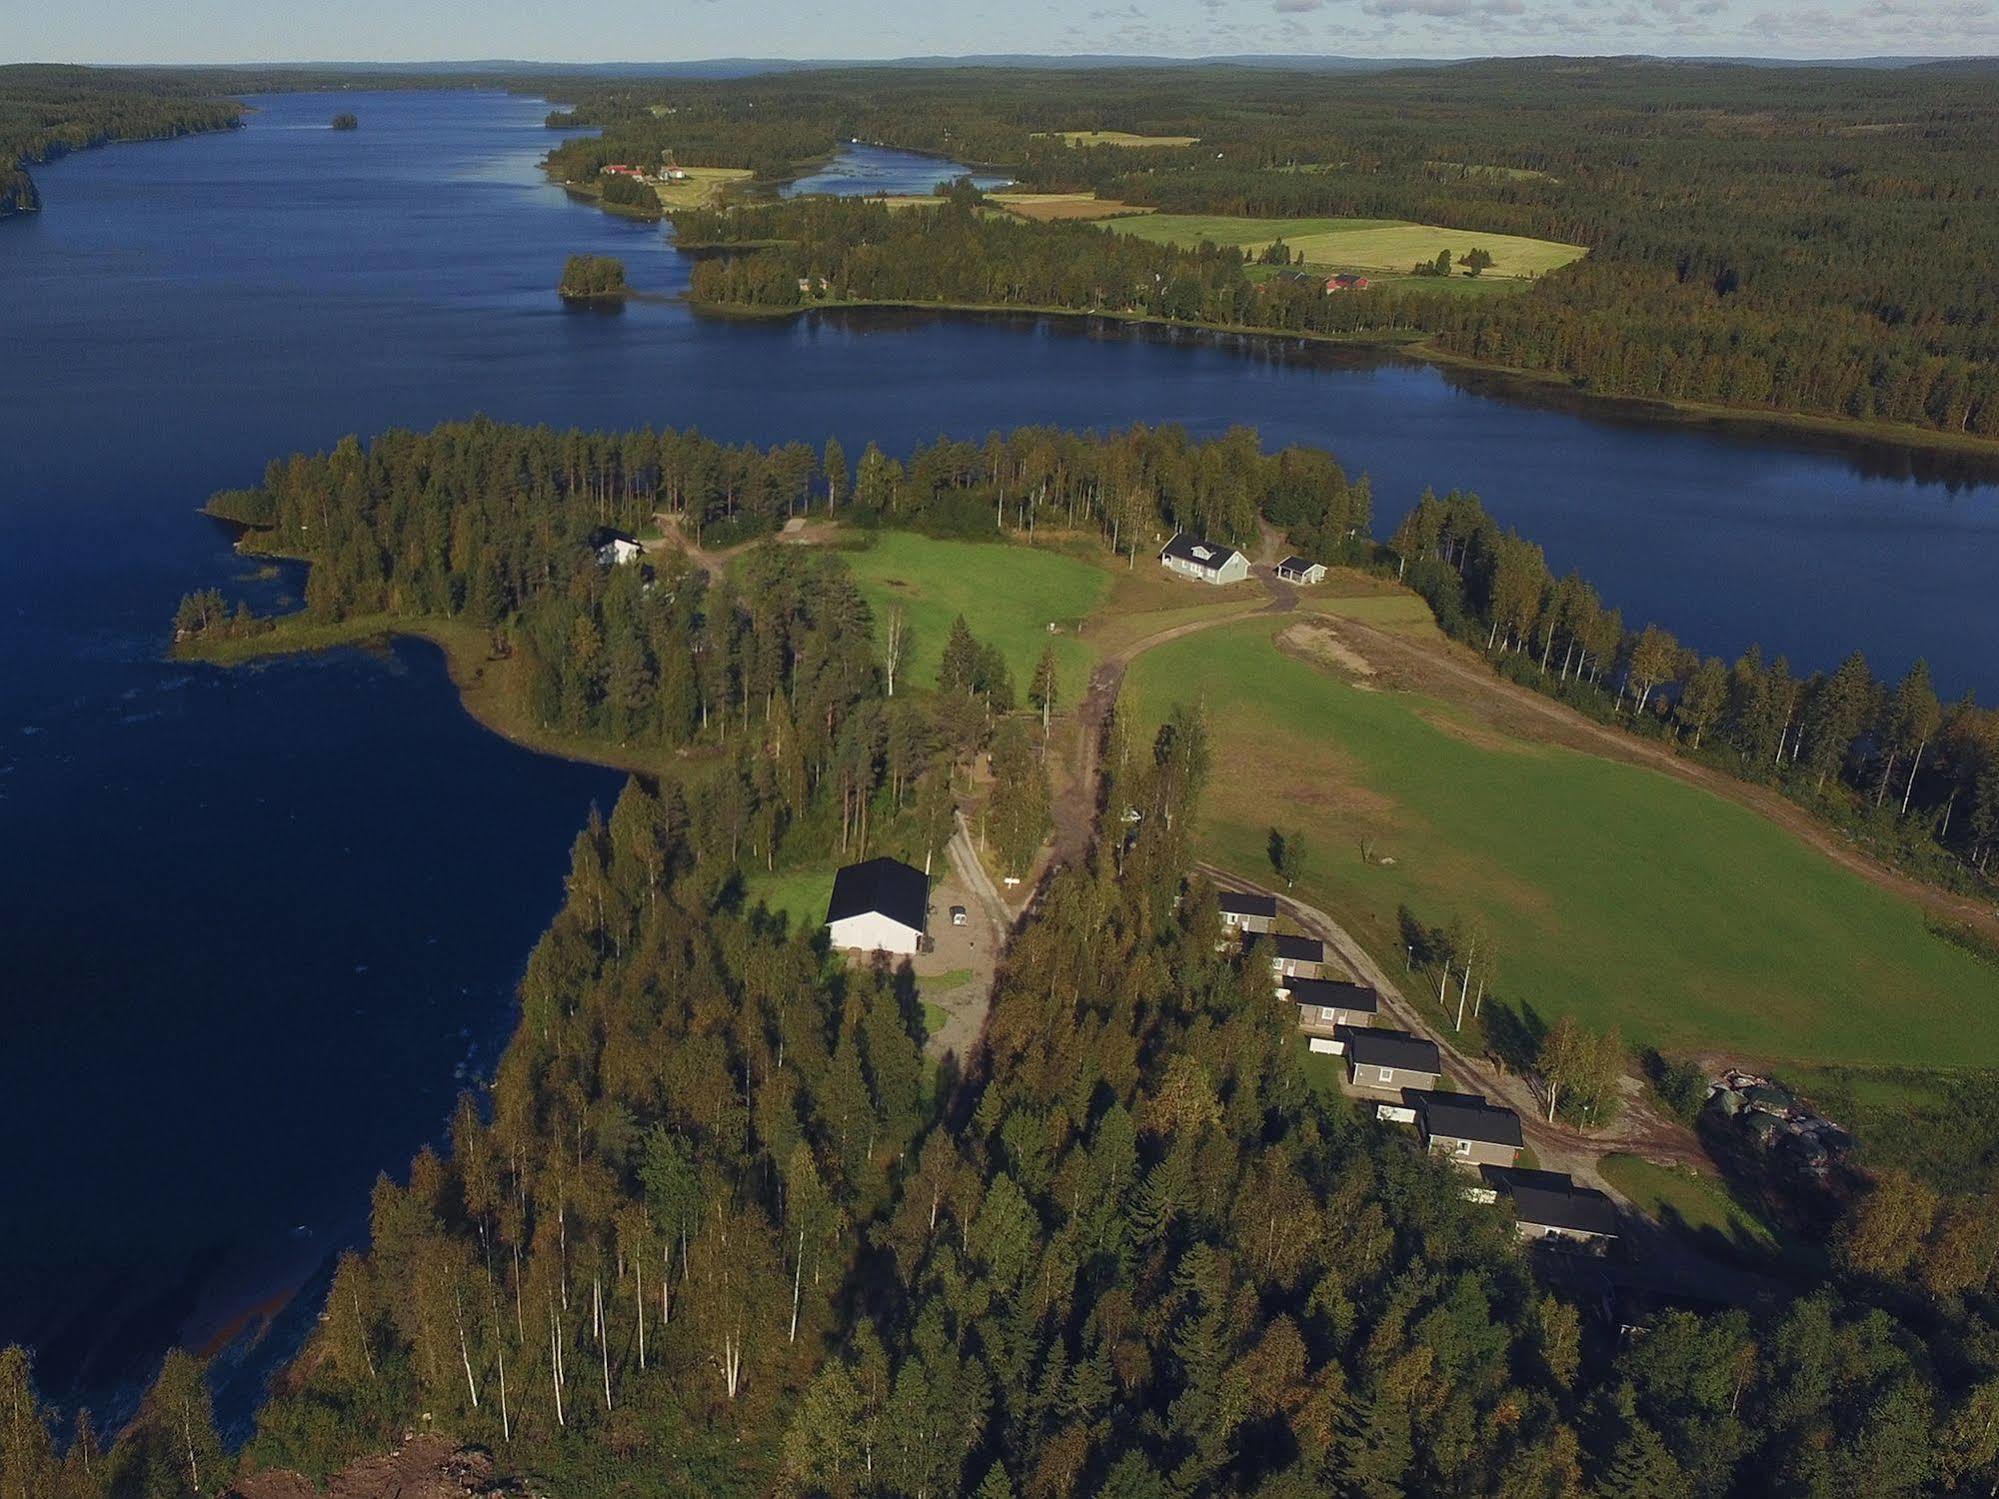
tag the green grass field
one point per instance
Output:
(1007, 593)
(1361, 244)
(1617, 894)
(799, 894)
(1123, 138)
(1671, 1195)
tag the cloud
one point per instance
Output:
(1444, 10)
(1295, 7)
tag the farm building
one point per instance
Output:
(1550, 1206)
(1328, 1006)
(1301, 570)
(1206, 561)
(878, 906)
(1466, 1128)
(1244, 912)
(615, 548)
(1346, 281)
(1390, 1061)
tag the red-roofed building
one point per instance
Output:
(1346, 281)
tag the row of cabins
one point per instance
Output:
(1402, 1074)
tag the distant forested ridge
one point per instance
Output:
(46, 111)
(1819, 241)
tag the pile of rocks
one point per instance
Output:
(1778, 1123)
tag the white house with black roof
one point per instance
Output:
(1204, 561)
(1549, 1206)
(1244, 912)
(879, 906)
(1301, 570)
(1386, 1061)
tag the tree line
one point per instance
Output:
(1758, 237)
(47, 111)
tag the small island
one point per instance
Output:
(593, 278)
(345, 121)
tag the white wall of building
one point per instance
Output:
(873, 932)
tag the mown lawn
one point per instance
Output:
(800, 894)
(1389, 245)
(1009, 594)
(1678, 1198)
(1617, 894)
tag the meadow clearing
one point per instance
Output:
(1357, 244)
(701, 189)
(1123, 138)
(1008, 593)
(1617, 894)
(1053, 207)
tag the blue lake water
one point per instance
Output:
(861, 170)
(259, 925)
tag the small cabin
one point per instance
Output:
(1385, 1061)
(1301, 570)
(615, 548)
(1467, 1129)
(1549, 1208)
(1247, 913)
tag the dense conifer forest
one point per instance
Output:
(1796, 240)
(713, 1229)
(47, 110)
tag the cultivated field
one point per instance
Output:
(702, 187)
(1618, 894)
(1049, 207)
(1008, 594)
(1357, 244)
(1123, 138)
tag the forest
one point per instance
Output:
(713, 1228)
(1796, 240)
(46, 111)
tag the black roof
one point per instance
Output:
(887, 886)
(1553, 1200)
(1465, 1116)
(1209, 554)
(1299, 949)
(1337, 993)
(1295, 564)
(1242, 903)
(1399, 1049)
(603, 536)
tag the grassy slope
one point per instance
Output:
(1368, 244)
(1702, 1204)
(1618, 894)
(1007, 593)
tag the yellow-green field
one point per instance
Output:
(1052, 207)
(1123, 138)
(1356, 244)
(702, 187)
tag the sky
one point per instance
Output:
(130, 31)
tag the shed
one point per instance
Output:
(1301, 570)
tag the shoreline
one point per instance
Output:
(478, 676)
(1414, 344)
